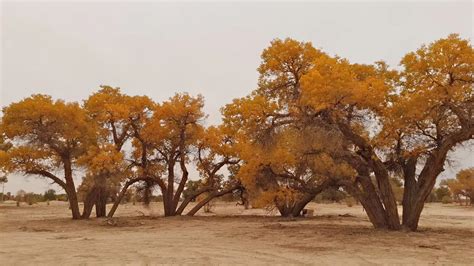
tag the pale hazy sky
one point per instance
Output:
(158, 48)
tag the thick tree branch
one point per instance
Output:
(49, 175)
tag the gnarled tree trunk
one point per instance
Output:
(73, 202)
(71, 189)
(190, 198)
(417, 191)
(387, 196)
(294, 209)
(364, 191)
(89, 202)
(97, 196)
(101, 202)
(210, 197)
(372, 161)
(122, 194)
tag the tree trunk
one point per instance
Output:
(89, 203)
(415, 207)
(375, 213)
(168, 204)
(364, 190)
(382, 176)
(102, 195)
(101, 202)
(211, 196)
(181, 186)
(168, 194)
(71, 189)
(409, 186)
(381, 207)
(421, 189)
(294, 209)
(117, 201)
(166, 201)
(433, 167)
(299, 206)
(284, 209)
(97, 196)
(244, 196)
(370, 202)
(3, 191)
(409, 198)
(387, 196)
(73, 202)
(413, 217)
(121, 195)
(201, 204)
(187, 200)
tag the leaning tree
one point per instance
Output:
(48, 138)
(398, 123)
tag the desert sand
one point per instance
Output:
(336, 235)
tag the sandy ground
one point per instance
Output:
(43, 234)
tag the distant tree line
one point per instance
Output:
(32, 198)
